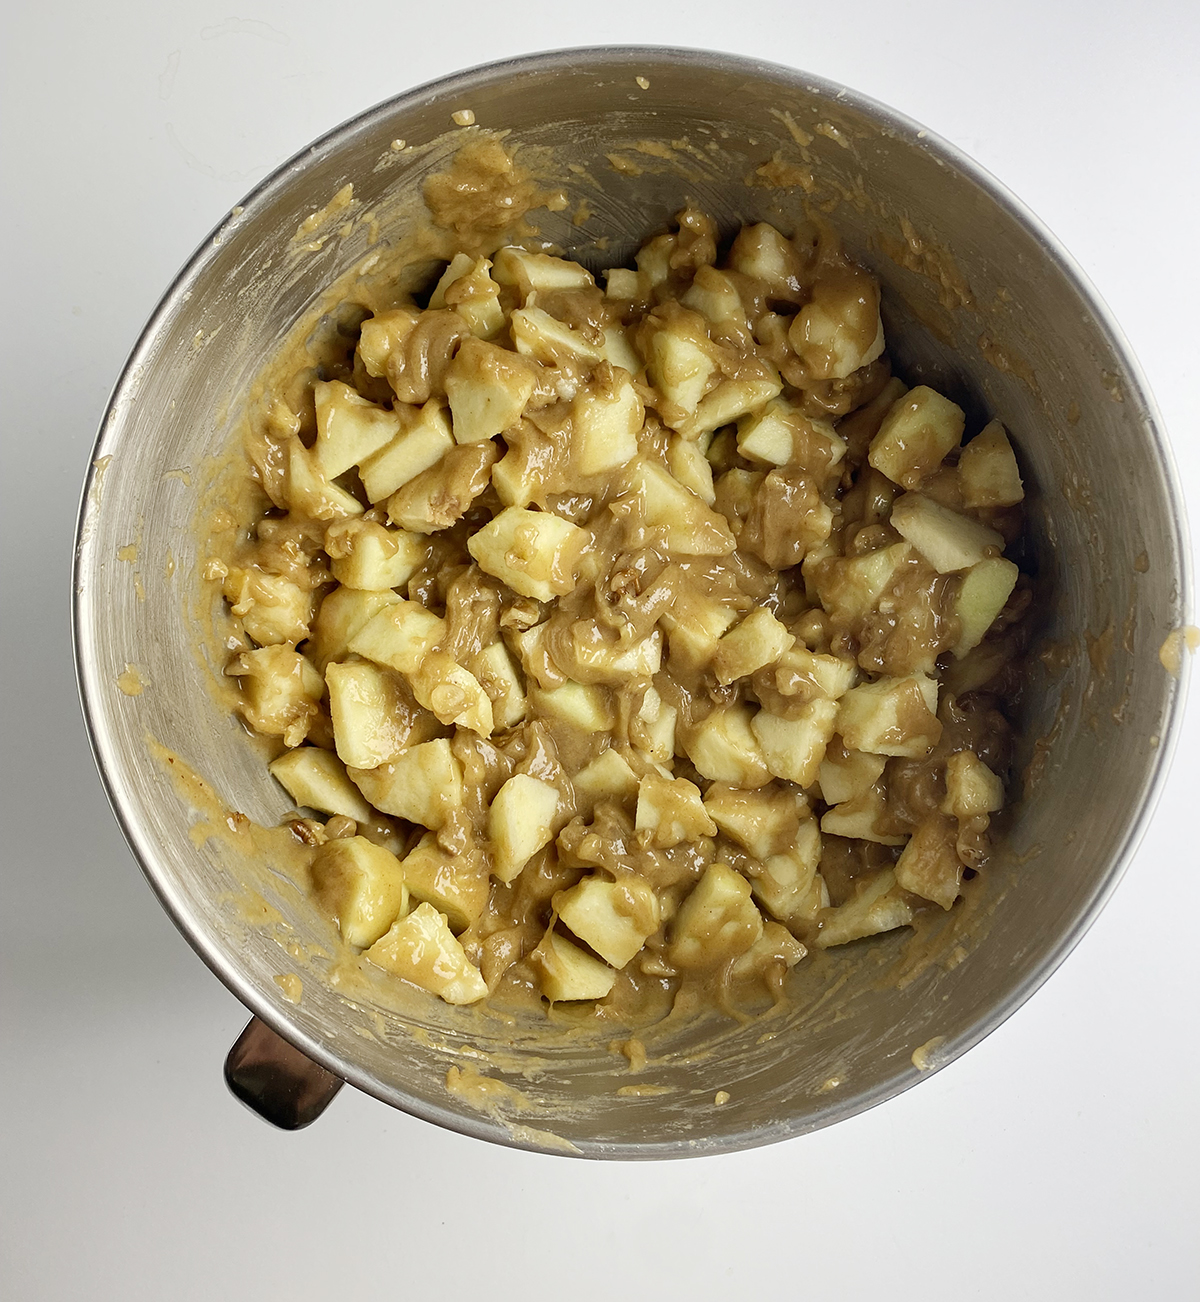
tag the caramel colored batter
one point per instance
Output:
(630, 641)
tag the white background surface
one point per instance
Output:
(1058, 1160)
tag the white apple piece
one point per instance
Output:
(717, 920)
(614, 918)
(915, 436)
(894, 716)
(520, 822)
(949, 542)
(421, 948)
(848, 774)
(280, 689)
(986, 588)
(879, 906)
(488, 388)
(371, 557)
(605, 419)
(567, 973)
(400, 636)
(340, 616)
(929, 865)
(607, 777)
(972, 788)
(670, 811)
(274, 611)
(361, 886)
(862, 817)
(310, 491)
(423, 784)
(371, 714)
(349, 428)
(500, 678)
(380, 334)
(317, 779)
(538, 335)
(455, 885)
(793, 748)
(987, 470)
(535, 552)
(784, 887)
(586, 707)
(531, 273)
(687, 524)
(839, 330)
(763, 822)
(724, 747)
(424, 439)
(454, 695)
(759, 640)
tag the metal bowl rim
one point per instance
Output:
(456, 86)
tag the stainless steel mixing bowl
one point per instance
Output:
(979, 301)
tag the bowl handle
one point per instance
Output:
(276, 1080)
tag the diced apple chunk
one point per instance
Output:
(776, 946)
(498, 674)
(380, 334)
(487, 388)
(453, 693)
(987, 470)
(714, 295)
(807, 674)
(311, 492)
(695, 623)
(422, 949)
(986, 588)
(317, 778)
(273, 610)
(893, 716)
(372, 719)
(759, 640)
(847, 774)
(442, 495)
(852, 586)
(280, 689)
(565, 972)
(467, 287)
(971, 787)
(607, 777)
(605, 419)
(455, 885)
(948, 541)
(763, 822)
(879, 906)
(671, 810)
(732, 399)
(535, 272)
(423, 784)
(679, 361)
(793, 748)
(586, 707)
(341, 615)
(520, 822)
(370, 557)
(724, 748)
(717, 921)
(652, 730)
(688, 525)
(539, 335)
(424, 439)
(862, 817)
(349, 428)
(535, 552)
(929, 865)
(361, 886)
(613, 918)
(689, 464)
(784, 886)
(839, 329)
(400, 636)
(916, 434)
